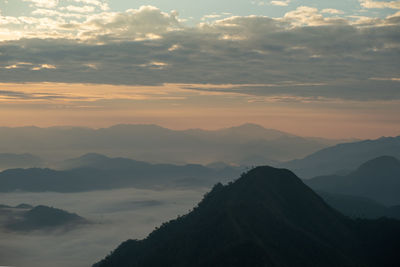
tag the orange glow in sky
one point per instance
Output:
(176, 107)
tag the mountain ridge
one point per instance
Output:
(267, 217)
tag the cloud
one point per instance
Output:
(100, 4)
(310, 16)
(280, 3)
(147, 22)
(313, 92)
(6, 95)
(118, 216)
(211, 16)
(331, 11)
(81, 22)
(79, 9)
(55, 13)
(44, 66)
(380, 4)
(333, 56)
(43, 3)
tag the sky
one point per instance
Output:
(312, 68)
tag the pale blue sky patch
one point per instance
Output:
(193, 10)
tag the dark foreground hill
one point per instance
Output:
(343, 157)
(268, 217)
(378, 179)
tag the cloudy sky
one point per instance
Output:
(310, 67)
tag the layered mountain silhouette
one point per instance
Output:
(343, 158)
(152, 143)
(268, 217)
(378, 179)
(26, 218)
(95, 172)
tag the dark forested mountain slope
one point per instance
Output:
(378, 179)
(268, 217)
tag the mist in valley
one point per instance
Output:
(116, 215)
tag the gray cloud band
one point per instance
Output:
(331, 57)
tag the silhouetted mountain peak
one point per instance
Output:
(272, 180)
(265, 181)
(267, 217)
(278, 192)
(268, 175)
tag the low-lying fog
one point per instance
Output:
(118, 215)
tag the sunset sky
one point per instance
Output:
(312, 67)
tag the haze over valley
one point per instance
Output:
(120, 198)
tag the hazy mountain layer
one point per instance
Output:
(343, 158)
(359, 207)
(98, 172)
(266, 218)
(247, 144)
(378, 179)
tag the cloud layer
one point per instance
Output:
(304, 53)
(117, 215)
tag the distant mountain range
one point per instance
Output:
(268, 217)
(26, 218)
(98, 172)
(343, 158)
(247, 144)
(378, 179)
